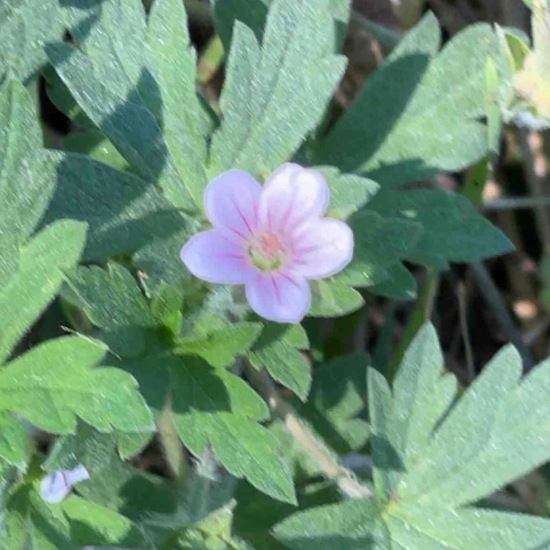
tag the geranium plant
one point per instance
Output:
(180, 267)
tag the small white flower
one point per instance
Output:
(58, 484)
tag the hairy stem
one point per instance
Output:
(344, 478)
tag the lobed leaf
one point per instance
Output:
(30, 521)
(277, 350)
(113, 301)
(220, 347)
(124, 212)
(275, 94)
(25, 27)
(253, 13)
(399, 284)
(14, 441)
(332, 299)
(502, 423)
(348, 192)
(350, 525)
(27, 174)
(111, 480)
(212, 406)
(113, 77)
(43, 263)
(431, 457)
(186, 125)
(452, 230)
(402, 426)
(111, 298)
(358, 524)
(431, 121)
(336, 400)
(380, 243)
(54, 383)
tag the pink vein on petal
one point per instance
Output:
(276, 289)
(306, 250)
(285, 217)
(289, 279)
(241, 215)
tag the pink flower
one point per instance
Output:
(59, 483)
(271, 239)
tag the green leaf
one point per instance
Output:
(277, 350)
(54, 383)
(220, 409)
(25, 26)
(73, 523)
(95, 524)
(111, 298)
(427, 124)
(60, 96)
(185, 125)
(510, 440)
(220, 347)
(256, 514)
(43, 263)
(124, 212)
(27, 174)
(332, 299)
(112, 483)
(452, 228)
(341, 13)
(379, 244)
(402, 427)
(14, 441)
(497, 428)
(399, 284)
(213, 407)
(166, 307)
(336, 399)
(159, 260)
(348, 192)
(432, 457)
(95, 145)
(112, 76)
(31, 523)
(253, 13)
(357, 524)
(113, 302)
(275, 95)
(442, 528)
(351, 525)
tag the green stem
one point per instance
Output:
(329, 466)
(422, 313)
(388, 38)
(517, 203)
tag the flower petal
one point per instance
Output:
(321, 248)
(214, 257)
(59, 483)
(279, 297)
(231, 201)
(291, 196)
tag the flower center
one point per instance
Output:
(267, 251)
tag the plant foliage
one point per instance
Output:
(111, 351)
